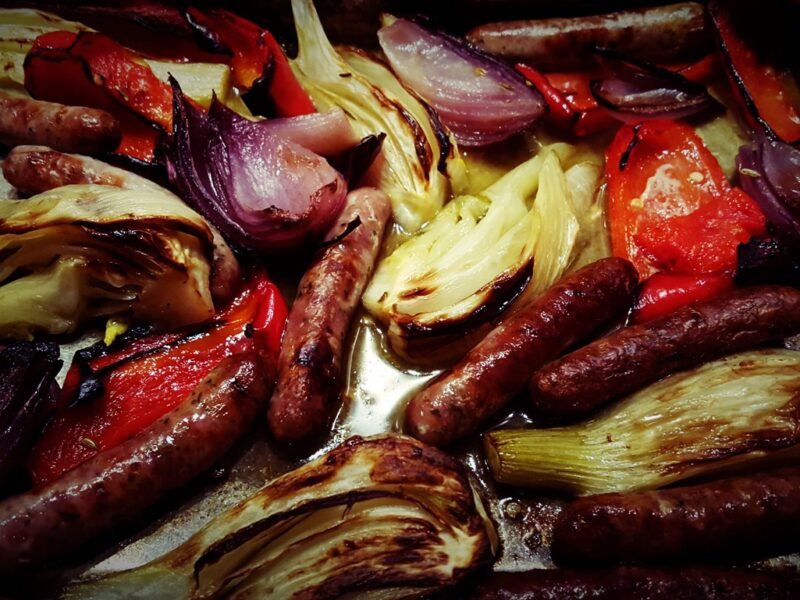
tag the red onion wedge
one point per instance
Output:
(480, 99)
(636, 91)
(769, 171)
(261, 190)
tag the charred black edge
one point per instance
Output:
(714, 8)
(504, 293)
(704, 102)
(355, 161)
(445, 147)
(626, 155)
(350, 228)
(205, 38)
(258, 98)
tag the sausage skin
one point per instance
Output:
(661, 34)
(637, 583)
(67, 128)
(36, 169)
(116, 485)
(739, 517)
(635, 356)
(310, 363)
(459, 400)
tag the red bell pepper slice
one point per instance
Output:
(90, 69)
(664, 293)
(256, 55)
(767, 90)
(146, 378)
(670, 207)
(560, 111)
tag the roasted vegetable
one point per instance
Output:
(442, 280)
(83, 251)
(261, 190)
(385, 517)
(409, 173)
(480, 99)
(736, 410)
(116, 391)
(27, 398)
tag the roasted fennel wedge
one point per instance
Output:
(481, 249)
(384, 517)
(409, 171)
(80, 252)
(722, 415)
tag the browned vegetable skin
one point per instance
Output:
(662, 34)
(67, 128)
(633, 357)
(115, 486)
(636, 583)
(310, 363)
(462, 398)
(384, 517)
(739, 517)
(36, 169)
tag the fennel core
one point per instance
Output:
(736, 410)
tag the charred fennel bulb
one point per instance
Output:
(739, 409)
(478, 249)
(85, 251)
(384, 517)
(376, 103)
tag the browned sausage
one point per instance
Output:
(638, 583)
(737, 517)
(310, 364)
(118, 484)
(663, 34)
(36, 169)
(459, 400)
(633, 357)
(67, 128)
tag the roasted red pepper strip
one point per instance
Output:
(571, 105)
(664, 293)
(90, 69)
(256, 54)
(670, 207)
(767, 90)
(144, 379)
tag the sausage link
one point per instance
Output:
(663, 34)
(459, 400)
(636, 356)
(310, 364)
(118, 484)
(66, 128)
(36, 169)
(636, 583)
(739, 517)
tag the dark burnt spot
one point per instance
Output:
(403, 558)
(416, 292)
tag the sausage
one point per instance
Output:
(310, 363)
(629, 583)
(118, 484)
(659, 34)
(36, 169)
(67, 128)
(635, 356)
(460, 399)
(739, 517)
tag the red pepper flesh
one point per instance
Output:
(664, 293)
(148, 377)
(90, 69)
(670, 206)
